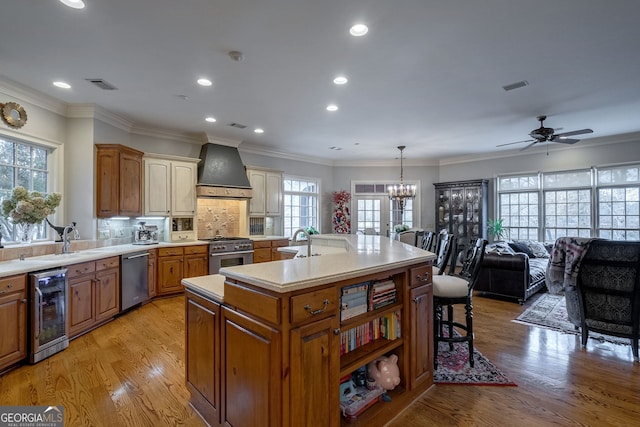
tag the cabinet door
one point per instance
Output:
(257, 203)
(81, 304)
(251, 372)
(261, 255)
(130, 184)
(315, 367)
(203, 356)
(196, 265)
(151, 276)
(157, 187)
(169, 275)
(183, 189)
(108, 177)
(107, 293)
(421, 312)
(273, 189)
(13, 334)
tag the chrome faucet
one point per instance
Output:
(295, 239)
(66, 242)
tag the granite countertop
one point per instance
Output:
(46, 262)
(339, 257)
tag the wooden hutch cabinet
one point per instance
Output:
(461, 209)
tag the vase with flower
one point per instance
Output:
(27, 209)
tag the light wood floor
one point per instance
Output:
(130, 372)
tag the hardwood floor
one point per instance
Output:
(130, 372)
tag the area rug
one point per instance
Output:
(549, 311)
(453, 368)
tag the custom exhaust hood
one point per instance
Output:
(221, 173)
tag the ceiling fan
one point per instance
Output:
(543, 134)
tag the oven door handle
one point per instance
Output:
(232, 253)
(38, 308)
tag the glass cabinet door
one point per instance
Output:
(442, 209)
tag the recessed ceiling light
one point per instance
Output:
(340, 80)
(358, 30)
(62, 85)
(332, 107)
(258, 130)
(76, 4)
(211, 119)
(204, 82)
(335, 148)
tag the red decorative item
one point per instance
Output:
(341, 215)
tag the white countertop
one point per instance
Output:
(211, 286)
(341, 257)
(46, 262)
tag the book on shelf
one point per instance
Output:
(354, 300)
(381, 294)
(385, 327)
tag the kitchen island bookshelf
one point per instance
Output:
(289, 338)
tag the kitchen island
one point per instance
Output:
(268, 344)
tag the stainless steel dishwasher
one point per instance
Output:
(134, 286)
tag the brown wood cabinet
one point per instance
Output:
(119, 181)
(196, 261)
(176, 263)
(267, 250)
(13, 318)
(203, 355)
(292, 377)
(94, 294)
(151, 272)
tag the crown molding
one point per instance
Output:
(25, 94)
(166, 134)
(254, 149)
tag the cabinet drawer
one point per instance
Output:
(261, 244)
(170, 251)
(183, 236)
(199, 249)
(106, 263)
(420, 275)
(12, 284)
(81, 268)
(314, 305)
(279, 243)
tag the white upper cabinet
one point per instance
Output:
(267, 192)
(170, 187)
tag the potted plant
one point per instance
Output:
(496, 229)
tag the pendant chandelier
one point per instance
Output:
(401, 192)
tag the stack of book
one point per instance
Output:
(381, 294)
(353, 301)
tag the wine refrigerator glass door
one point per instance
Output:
(49, 313)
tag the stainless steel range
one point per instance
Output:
(229, 251)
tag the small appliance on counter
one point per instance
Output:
(145, 234)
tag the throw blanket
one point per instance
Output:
(564, 263)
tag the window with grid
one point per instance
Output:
(26, 165)
(567, 204)
(518, 205)
(619, 202)
(300, 204)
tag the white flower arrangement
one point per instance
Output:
(25, 207)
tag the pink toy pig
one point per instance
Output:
(385, 371)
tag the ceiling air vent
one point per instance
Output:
(238, 125)
(102, 84)
(516, 85)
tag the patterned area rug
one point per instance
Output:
(550, 311)
(453, 368)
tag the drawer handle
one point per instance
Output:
(318, 311)
(423, 279)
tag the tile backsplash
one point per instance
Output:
(221, 217)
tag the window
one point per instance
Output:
(374, 210)
(300, 204)
(619, 202)
(26, 165)
(601, 201)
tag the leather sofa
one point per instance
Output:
(512, 274)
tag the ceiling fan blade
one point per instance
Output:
(533, 143)
(574, 132)
(517, 142)
(564, 140)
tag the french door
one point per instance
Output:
(372, 214)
